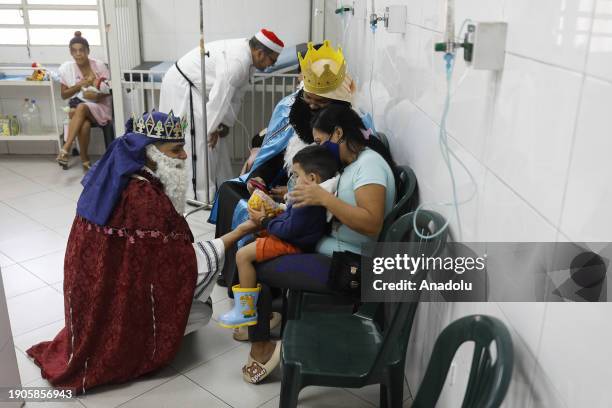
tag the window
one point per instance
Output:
(48, 22)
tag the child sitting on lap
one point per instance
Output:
(294, 231)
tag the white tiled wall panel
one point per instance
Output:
(172, 28)
(586, 214)
(536, 137)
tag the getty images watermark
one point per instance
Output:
(412, 265)
(479, 272)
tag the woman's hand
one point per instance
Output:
(87, 81)
(90, 95)
(309, 193)
(256, 215)
(278, 193)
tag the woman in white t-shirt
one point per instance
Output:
(87, 107)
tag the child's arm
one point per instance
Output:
(293, 223)
(281, 227)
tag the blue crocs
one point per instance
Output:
(244, 312)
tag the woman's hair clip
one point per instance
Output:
(366, 133)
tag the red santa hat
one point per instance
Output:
(270, 40)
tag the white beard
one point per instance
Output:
(173, 176)
(295, 145)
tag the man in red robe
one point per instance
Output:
(134, 283)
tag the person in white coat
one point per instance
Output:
(229, 65)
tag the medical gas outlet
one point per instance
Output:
(394, 19)
(484, 45)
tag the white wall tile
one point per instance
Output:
(165, 27)
(396, 58)
(505, 217)
(529, 147)
(519, 128)
(159, 16)
(599, 61)
(553, 31)
(160, 47)
(434, 12)
(586, 216)
(575, 352)
(473, 95)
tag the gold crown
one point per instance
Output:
(172, 129)
(323, 69)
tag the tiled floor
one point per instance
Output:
(37, 204)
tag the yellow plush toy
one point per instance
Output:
(260, 200)
(38, 74)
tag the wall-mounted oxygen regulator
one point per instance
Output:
(394, 18)
(484, 45)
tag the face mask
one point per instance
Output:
(332, 147)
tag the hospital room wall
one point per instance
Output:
(171, 27)
(536, 137)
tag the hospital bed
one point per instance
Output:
(141, 86)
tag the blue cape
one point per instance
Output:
(277, 137)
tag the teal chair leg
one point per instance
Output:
(291, 386)
(395, 389)
(383, 396)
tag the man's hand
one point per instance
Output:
(256, 215)
(278, 193)
(213, 138)
(248, 227)
(251, 188)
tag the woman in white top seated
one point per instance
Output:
(87, 107)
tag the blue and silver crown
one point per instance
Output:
(158, 125)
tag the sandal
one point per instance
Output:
(242, 333)
(62, 159)
(254, 372)
(86, 165)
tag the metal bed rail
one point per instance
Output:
(146, 89)
(261, 96)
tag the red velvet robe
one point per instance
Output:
(128, 289)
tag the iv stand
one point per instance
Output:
(203, 205)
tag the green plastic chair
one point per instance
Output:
(489, 377)
(406, 198)
(383, 139)
(336, 349)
